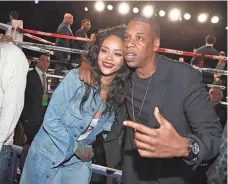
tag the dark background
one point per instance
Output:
(181, 35)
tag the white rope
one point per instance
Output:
(54, 48)
(215, 86)
(54, 76)
(224, 103)
(34, 48)
(209, 70)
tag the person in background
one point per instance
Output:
(93, 37)
(13, 72)
(36, 101)
(202, 62)
(216, 95)
(181, 59)
(13, 15)
(82, 45)
(64, 28)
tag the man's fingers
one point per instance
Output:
(160, 118)
(140, 128)
(148, 139)
(146, 154)
(144, 146)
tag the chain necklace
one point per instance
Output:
(132, 100)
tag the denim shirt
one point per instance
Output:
(64, 122)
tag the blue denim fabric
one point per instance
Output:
(51, 155)
(4, 161)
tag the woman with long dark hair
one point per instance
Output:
(62, 150)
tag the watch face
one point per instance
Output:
(195, 148)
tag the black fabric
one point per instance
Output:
(82, 45)
(99, 159)
(64, 29)
(33, 112)
(221, 111)
(208, 63)
(177, 90)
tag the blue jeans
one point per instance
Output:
(4, 160)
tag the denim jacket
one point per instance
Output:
(64, 123)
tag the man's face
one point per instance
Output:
(70, 20)
(87, 26)
(138, 44)
(216, 95)
(44, 63)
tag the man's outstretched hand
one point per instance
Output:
(163, 142)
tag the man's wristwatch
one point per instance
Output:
(193, 150)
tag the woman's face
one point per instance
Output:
(110, 57)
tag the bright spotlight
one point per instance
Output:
(110, 7)
(99, 6)
(148, 11)
(135, 10)
(175, 14)
(202, 18)
(123, 8)
(214, 19)
(226, 28)
(36, 1)
(162, 13)
(86, 9)
(187, 16)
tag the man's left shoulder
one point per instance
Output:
(182, 72)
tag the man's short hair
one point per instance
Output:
(152, 22)
(14, 14)
(43, 54)
(84, 20)
(222, 53)
(210, 39)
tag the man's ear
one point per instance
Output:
(156, 44)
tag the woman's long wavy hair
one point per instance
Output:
(119, 85)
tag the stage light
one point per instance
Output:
(135, 10)
(36, 1)
(99, 6)
(86, 9)
(214, 19)
(175, 14)
(202, 17)
(162, 13)
(148, 11)
(226, 28)
(123, 8)
(187, 16)
(110, 7)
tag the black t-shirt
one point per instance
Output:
(140, 88)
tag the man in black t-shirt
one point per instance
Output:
(173, 126)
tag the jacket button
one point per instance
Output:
(75, 135)
(93, 109)
(47, 176)
(81, 127)
(53, 163)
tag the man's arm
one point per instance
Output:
(217, 172)
(13, 81)
(205, 124)
(194, 60)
